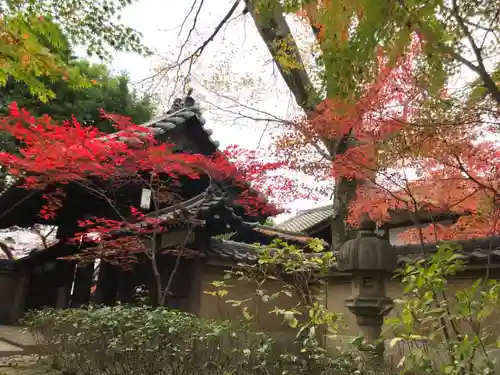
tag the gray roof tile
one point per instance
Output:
(307, 219)
(232, 251)
(183, 111)
(473, 251)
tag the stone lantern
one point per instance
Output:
(371, 260)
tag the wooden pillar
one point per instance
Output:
(201, 243)
(107, 285)
(18, 302)
(126, 285)
(196, 291)
(82, 285)
(66, 272)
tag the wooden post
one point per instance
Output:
(126, 285)
(66, 272)
(201, 243)
(196, 290)
(17, 309)
(82, 285)
(107, 285)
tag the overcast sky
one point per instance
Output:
(235, 65)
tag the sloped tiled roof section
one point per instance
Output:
(236, 252)
(478, 252)
(232, 251)
(181, 112)
(283, 234)
(307, 219)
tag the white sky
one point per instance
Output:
(236, 64)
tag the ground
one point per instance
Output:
(25, 365)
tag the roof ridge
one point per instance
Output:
(315, 209)
(307, 218)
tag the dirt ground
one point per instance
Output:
(25, 365)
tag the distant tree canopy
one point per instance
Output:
(108, 92)
(103, 91)
(34, 36)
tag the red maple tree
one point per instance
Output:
(448, 175)
(53, 156)
(398, 161)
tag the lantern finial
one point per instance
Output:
(367, 224)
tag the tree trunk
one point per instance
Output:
(274, 31)
(344, 193)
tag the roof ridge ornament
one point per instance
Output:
(367, 227)
(180, 104)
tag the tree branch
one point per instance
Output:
(480, 69)
(6, 251)
(274, 31)
(204, 45)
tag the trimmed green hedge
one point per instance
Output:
(144, 341)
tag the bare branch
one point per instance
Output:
(275, 31)
(7, 251)
(197, 53)
(187, 16)
(479, 69)
(204, 45)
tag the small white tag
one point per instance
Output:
(146, 199)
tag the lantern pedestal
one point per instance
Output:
(370, 259)
(370, 313)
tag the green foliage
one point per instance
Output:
(34, 35)
(441, 329)
(290, 282)
(270, 222)
(107, 92)
(138, 340)
(352, 34)
(33, 48)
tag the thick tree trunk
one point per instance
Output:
(274, 31)
(344, 193)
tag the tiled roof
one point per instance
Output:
(307, 219)
(472, 251)
(236, 252)
(478, 256)
(181, 112)
(232, 251)
(284, 234)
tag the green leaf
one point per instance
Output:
(395, 341)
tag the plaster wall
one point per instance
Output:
(216, 308)
(7, 293)
(337, 292)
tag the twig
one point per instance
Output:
(204, 45)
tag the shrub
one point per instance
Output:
(126, 340)
(140, 340)
(441, 329)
